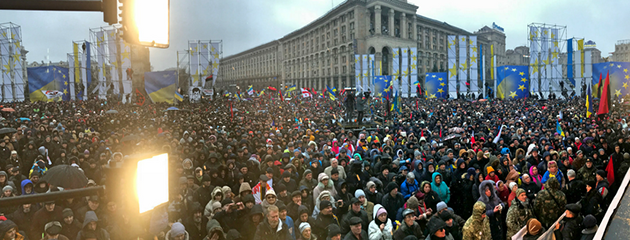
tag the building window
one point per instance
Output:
(343, 18)
(351, 15)
(352, 26)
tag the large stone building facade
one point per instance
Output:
(322, 52)
(622, 51)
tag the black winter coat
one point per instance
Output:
(392, 204)
(345, 222)
(264, 231)
(320, 228)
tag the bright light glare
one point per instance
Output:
(152, 20)
(152, 182)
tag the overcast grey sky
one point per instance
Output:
(243, 24)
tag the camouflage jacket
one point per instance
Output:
(477, 228)
(587, 174)
(517, 217)
(547, 209)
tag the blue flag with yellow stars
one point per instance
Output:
(380, 85)
(436, 85)
(619, 77)
(512, 82)
(48, 83)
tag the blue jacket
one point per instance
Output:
(290, 226)
(442, 190)
(407, 189)
(559, 176)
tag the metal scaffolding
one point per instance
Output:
(12, 62)
(547, 42)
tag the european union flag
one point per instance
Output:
(381, 83)
(619, 78)
(161, 86)
(436, 85)
(513, 82)
(49, 81)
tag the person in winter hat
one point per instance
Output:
(519, 213)
(590, 227)
(477, 227)
(177, 232)
(437, 231)
(381, 227)
(408, 227)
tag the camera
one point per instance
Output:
(339, 204)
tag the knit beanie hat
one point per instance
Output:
(177, 229)
(304, 226)
(441, 205)
(358, 193)
(589, 221)
(471, 171)
(489, 169)
(412, 202)
(381, 211)
(512, 184)
(446, 215)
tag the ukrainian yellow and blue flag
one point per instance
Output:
(559, 129)
(331, 93)
(161, 86)
(48, 78)
(179, 97)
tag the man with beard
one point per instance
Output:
(196, 223)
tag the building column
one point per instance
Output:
(391, 22)
(403, 26)
(377, 19)
(414, 28)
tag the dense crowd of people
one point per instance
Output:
(268, 169)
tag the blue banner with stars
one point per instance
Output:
(381, 85)
(436, 85)
(512, 82)
(47, 81)
(619, 77)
